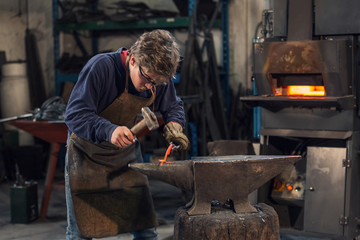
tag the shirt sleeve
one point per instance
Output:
(169, 104)
(87, 100)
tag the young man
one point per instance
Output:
(103, 196)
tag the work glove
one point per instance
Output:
(173, 132)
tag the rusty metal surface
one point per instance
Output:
(219, 177)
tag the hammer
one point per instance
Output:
(149, 121)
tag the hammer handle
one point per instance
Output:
(139, 127)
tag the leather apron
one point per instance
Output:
(108, 197)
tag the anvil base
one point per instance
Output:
(226, 225)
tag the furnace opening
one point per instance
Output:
(307, 85)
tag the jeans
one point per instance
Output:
(72, 231)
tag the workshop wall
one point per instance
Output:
(12, 30)
(15, 17)
(40, 20)
(244, 15)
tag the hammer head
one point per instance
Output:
(150, 118)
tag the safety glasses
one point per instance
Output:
(146, 77)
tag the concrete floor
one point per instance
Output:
(166, 199)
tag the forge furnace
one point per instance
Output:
(306, 74)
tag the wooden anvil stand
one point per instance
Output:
(225, 224)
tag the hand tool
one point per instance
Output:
(149, 121)
(24, 116)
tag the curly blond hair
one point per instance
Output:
(158, 52)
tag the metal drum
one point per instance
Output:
(14, 90)
(15, 96)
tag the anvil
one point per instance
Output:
(219, 178)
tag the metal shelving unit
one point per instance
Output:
(175, 22)
(150, 23)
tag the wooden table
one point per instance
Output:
(54, 133)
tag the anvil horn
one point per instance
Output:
(179, 173)
(219, 177)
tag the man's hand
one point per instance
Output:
(122, 136)
(173, 132)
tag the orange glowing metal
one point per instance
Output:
(279, 185)
(302, 90)
(168, 151)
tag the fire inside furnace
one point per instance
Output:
(302, 90)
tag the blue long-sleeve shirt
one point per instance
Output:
(100, 82)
